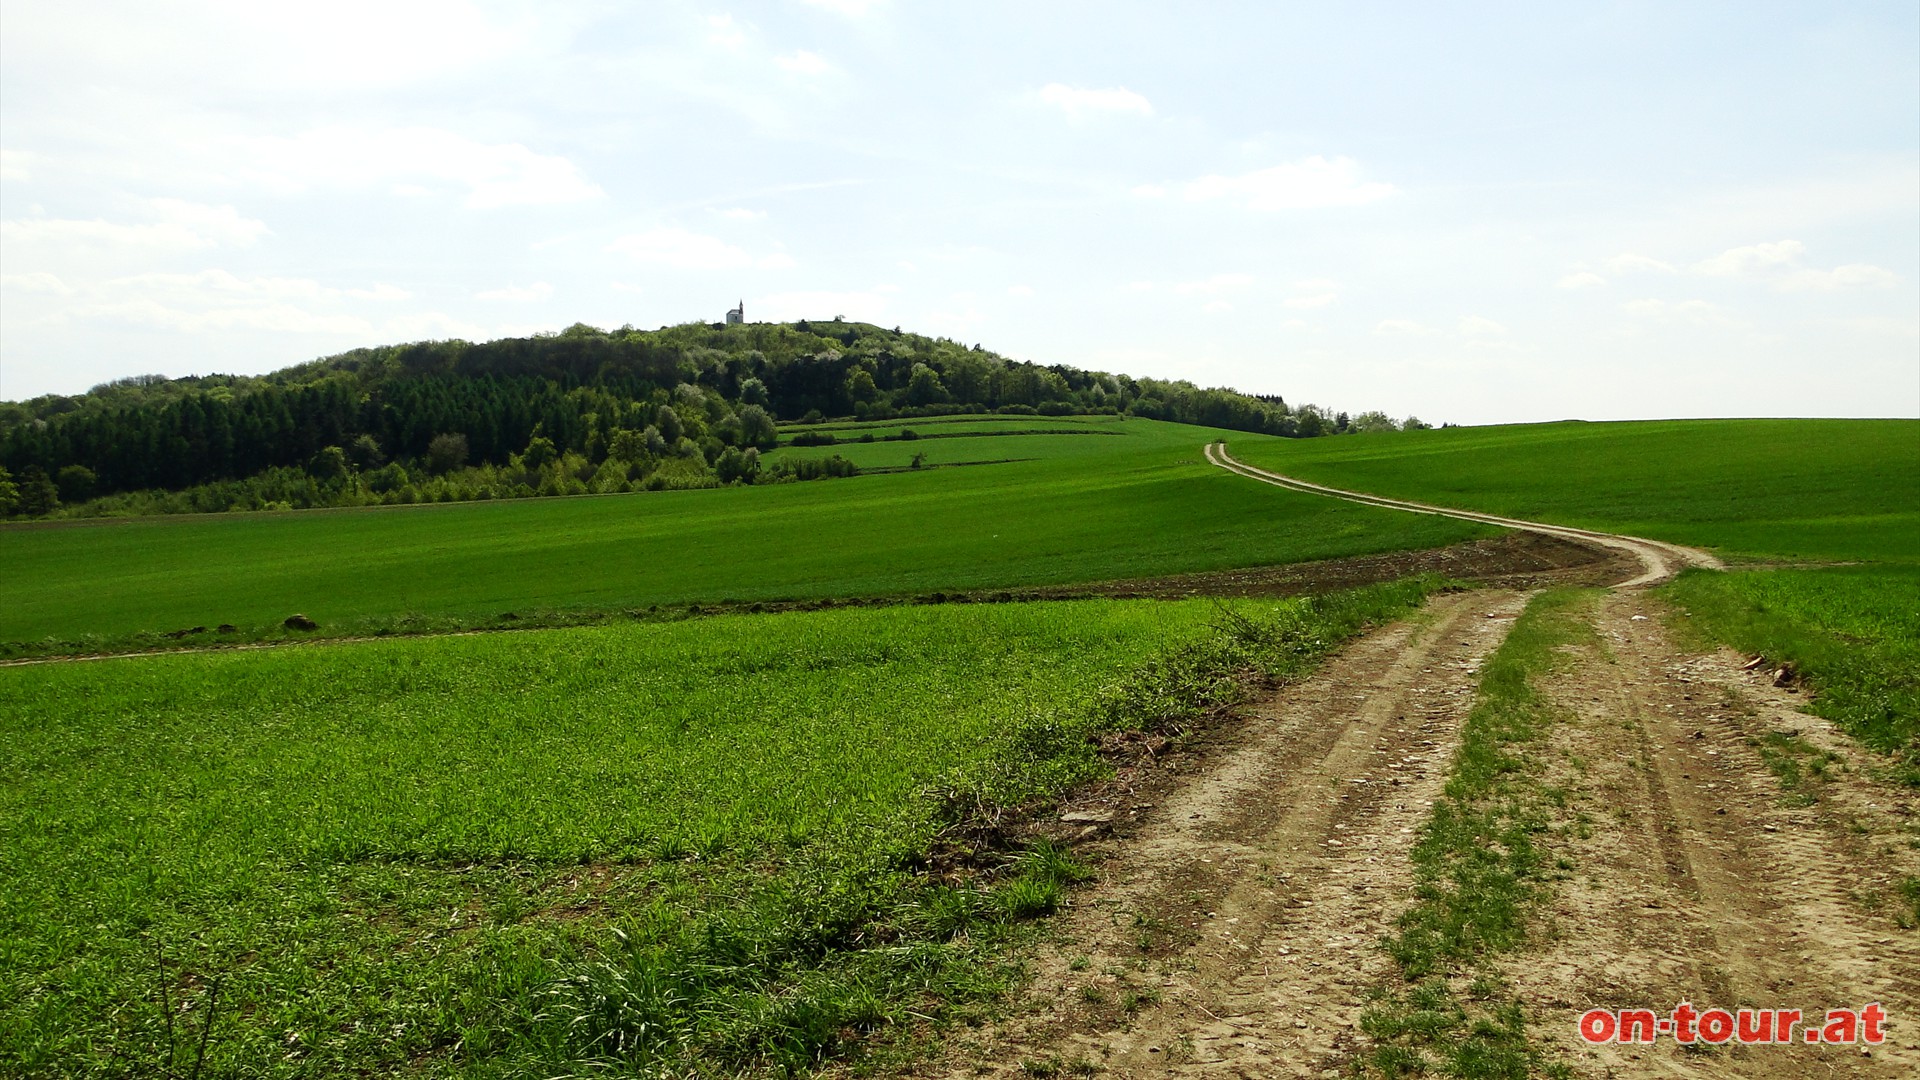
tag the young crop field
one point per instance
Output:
(1854, 629)
(1075, 508)
(1761, 489)
(627, 844)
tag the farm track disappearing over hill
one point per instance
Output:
(1235, 926)
(1659, 560)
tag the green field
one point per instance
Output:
(1080, 508)
(439, 855)
(1855, 630)
(1762, 489)
(1761, 492)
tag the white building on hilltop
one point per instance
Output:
(737, 315)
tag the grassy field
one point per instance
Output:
(1761, 489)
(621, 846)
(1079, 508)
(1854, 630)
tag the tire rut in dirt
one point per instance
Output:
(1235, 934)
(1695, 882)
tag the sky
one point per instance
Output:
(1476, 213)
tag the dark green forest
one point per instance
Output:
(582, 410)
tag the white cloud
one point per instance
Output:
(417, 161)
(1019, 290)
(221, 281)
(1217, 306)
(963, 319)
(849, 8)
(274, 288)
(725, 32)
(1216, 283)
(1076, 100)
(1626, 263)
(1850, 276)
(336, 48)
(14, 165)
(515, 294)
(438, 325)
(1751, 260)
(863, 306)
(1697, 312)
(802, 62)
(1477, 326)
(1305, 185)
(1403, 328)
(1584, 279)
(276, 316)
(626, 287)
(36, 282)
(686, 250)
(741, 213)
(1150, 191)
(1777, 262)
(1139, 286)
(1316, 300)
(214, 301)
(182, 226)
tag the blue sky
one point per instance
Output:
(1477, 213)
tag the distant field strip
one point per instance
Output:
(1659, 561)
(1139, 505)
(1800, 489)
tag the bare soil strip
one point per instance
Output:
(1700, 879)
(1659, 560)
(1236, 924)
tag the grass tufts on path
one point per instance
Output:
(1480, 869)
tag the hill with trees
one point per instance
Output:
(578, 411)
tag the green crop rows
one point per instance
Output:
(448, 854)
(1823, 489)
(1078, 508)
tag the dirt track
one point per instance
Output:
(1234, 928)
(1251, 898)
(1659, 560)
(1702, 879)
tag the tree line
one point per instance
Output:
(581, 410)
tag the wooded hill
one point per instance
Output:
(410, 422)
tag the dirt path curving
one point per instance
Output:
(1235, 932)
(1234, 929)
(1658, 559)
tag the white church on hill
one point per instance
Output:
(737, 315)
